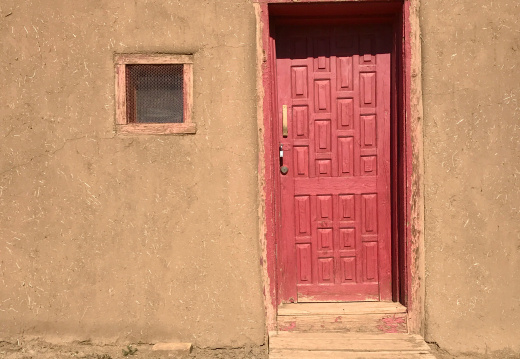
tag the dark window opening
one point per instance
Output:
(155, 93)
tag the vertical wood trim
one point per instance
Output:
(414, 167)
(394, 158)
(266, 206)
(120, 93)
(384, 179)
(188, 92)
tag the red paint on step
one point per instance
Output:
(289, 328)
(393, 324)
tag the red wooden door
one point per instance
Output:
(335, 235)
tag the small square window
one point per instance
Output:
(154, 94)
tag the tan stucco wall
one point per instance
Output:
(156, 237)
(131, 238)
(471, 90)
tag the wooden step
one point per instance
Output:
(347, 345)
(348, 341)
(371, 317)
(301, 354)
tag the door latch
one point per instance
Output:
(284, 169)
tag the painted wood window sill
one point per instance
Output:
(158, 128)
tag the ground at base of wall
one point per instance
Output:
(443, 354)
(38, 349)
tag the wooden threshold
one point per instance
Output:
(351, 308)
(368, 317)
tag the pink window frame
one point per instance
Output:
(123, 125)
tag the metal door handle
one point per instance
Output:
(285, 131)
(283, 169)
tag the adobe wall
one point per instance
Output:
(472, 162)
(147, 238)
(132, 238)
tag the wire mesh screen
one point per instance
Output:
(155, 93)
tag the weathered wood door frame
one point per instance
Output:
(407, 200)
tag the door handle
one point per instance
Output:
(283, 169)
(285, 131)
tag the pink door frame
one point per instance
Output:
(410, 204)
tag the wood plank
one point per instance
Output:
(346, 336)
(157, 128)
(172, 349)
(369, 323)
(353, 308)
(348, 342)
(354, 291)
(153, 59)
(303, 354)
(120, 94)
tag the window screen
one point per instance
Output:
(155, 93)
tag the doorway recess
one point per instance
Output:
(387, 28)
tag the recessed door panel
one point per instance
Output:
(335, 235)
